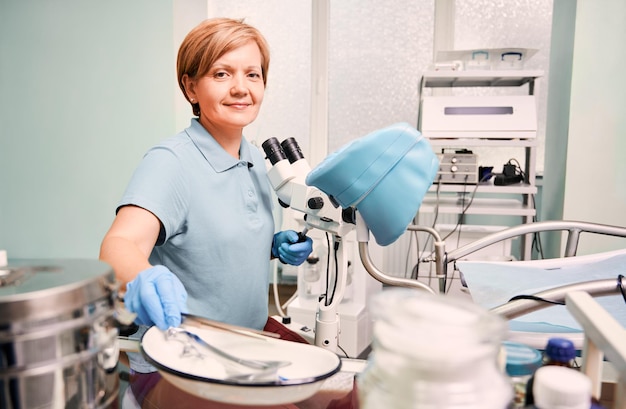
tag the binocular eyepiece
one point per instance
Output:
(288, 149)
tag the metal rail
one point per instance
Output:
(574, 229)
(518, 308)
(443, 259)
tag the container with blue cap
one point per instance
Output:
(558, 352)
(561, 352)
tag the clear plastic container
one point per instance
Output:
(478, 60)
(510, 60)
(431, 351)
(309, 281)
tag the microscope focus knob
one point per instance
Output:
(315, 203)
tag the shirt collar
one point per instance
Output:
(213, 152)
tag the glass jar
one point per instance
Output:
(521, 363)
(432, 351)
(309, 281)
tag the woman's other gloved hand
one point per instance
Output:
(289, 249)
(157, 296)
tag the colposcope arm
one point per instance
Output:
(363, 239)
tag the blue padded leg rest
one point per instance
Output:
(384, 175)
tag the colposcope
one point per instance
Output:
(287, 177)
(373, 184)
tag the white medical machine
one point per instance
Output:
(484, 117)
(354, 317)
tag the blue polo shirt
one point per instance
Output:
(216, 213)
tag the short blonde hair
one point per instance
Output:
(209, 41)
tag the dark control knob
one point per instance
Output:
(315, 203)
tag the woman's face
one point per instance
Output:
(231, 93)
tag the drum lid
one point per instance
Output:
(44, 288)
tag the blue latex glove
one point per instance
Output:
(158, 298)
(288, 250)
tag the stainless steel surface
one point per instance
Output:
(49, 288)
(58, 344)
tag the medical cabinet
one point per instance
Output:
(457, 125)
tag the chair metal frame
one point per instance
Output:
(573, 229)
(443, 258)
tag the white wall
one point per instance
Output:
(595, 184)
(86, 88)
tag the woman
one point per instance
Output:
(194, 229)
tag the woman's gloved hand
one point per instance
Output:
(289, 249)
(157, 296)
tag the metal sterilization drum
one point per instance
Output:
(58, 340)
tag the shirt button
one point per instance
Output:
(250, 193)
